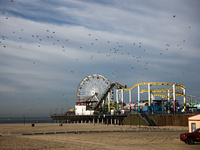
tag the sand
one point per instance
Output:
(143, 137)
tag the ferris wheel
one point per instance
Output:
(92, 87)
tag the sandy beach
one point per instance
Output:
(92, 136)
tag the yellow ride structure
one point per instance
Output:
(175, 89)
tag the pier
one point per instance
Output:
(103, 118)
(126, 119)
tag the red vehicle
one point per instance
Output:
(190, 138)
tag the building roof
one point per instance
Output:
(196, 117)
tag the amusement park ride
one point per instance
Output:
(95, 92)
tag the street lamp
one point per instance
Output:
(62, 110)
(50, 111)
(56, 111)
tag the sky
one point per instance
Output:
(48, 47)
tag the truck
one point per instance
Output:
(190, 138)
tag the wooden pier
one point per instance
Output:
(104, 119)
(125, 119)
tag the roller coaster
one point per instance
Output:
(95, 89)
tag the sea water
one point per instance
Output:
(26, 119)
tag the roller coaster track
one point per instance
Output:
(179, 86)
(104, 94)
(165, 90)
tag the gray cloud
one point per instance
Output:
(48, 47)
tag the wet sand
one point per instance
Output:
(143, 137)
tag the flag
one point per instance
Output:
(113, 75)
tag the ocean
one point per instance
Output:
(27, 120)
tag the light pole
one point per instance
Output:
(198, 98)
(62, 111)
(190, 98)
(56, 111)
(50, 111)
(195, 99)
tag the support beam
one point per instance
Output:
(130, 96)
(109, 101)
(174, 97)
(149, 94)
(184, 99)
(103, 105)
(117, 99)
(130, 100)
(122, 98)
(168, 97)
(138, 97)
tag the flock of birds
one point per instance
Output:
(111, 53)
(117, 52)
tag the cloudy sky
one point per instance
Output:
(47, 47)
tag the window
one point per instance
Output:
(193, 127)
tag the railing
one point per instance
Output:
(155, 123)
(143, 118)
(126, 118)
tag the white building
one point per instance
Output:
(194, 122)
(81, 110)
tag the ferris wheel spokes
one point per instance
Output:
(92, 87)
